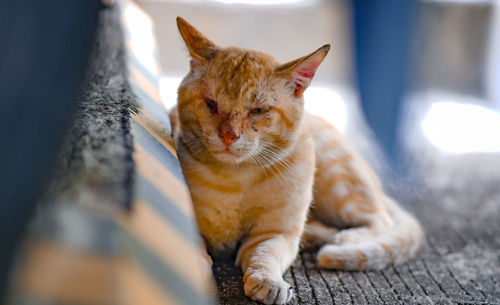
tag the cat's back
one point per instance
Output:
(341, 173)
(326, 137)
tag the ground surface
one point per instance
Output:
(458, 264)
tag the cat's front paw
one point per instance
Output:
(265, 290)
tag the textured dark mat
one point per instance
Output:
(96, 165)
(459, 264)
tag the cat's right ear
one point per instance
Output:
(200, 47)
(300, 72)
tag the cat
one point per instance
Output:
(254, 162)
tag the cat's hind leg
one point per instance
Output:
(348, 194)
(316, 234)
(388, 235)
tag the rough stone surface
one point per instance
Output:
(95, 166)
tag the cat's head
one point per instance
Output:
(238, 105)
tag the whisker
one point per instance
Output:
(278, 157)
(280, 175)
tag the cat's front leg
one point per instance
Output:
(263, 259)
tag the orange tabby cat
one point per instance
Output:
(251, 154)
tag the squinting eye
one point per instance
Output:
(212, 105)
(259, 110)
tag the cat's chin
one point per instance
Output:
(228, 157)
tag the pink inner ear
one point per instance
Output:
(307, 69)
(307, 72)
(304, 71)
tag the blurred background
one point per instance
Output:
(414, 85)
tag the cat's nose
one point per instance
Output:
(228, 138)
(228, 135)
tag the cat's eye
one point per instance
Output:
(259, 110)
(212, 105)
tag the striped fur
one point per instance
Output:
(250, 155)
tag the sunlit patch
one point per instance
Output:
(462, 1)
(328, 104)
(288, 3)
(462, 128)
(320, 101)
(265, 2)
(168, 90)
(140, 36)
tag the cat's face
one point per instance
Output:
(237, 105)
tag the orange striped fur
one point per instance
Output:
(250, 155)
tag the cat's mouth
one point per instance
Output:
(227, 155)
(226, 151)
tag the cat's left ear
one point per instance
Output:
(199, 46)
(300, 72)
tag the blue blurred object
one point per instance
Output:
(43, 51)
(383, 30)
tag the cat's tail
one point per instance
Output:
(395, 244)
